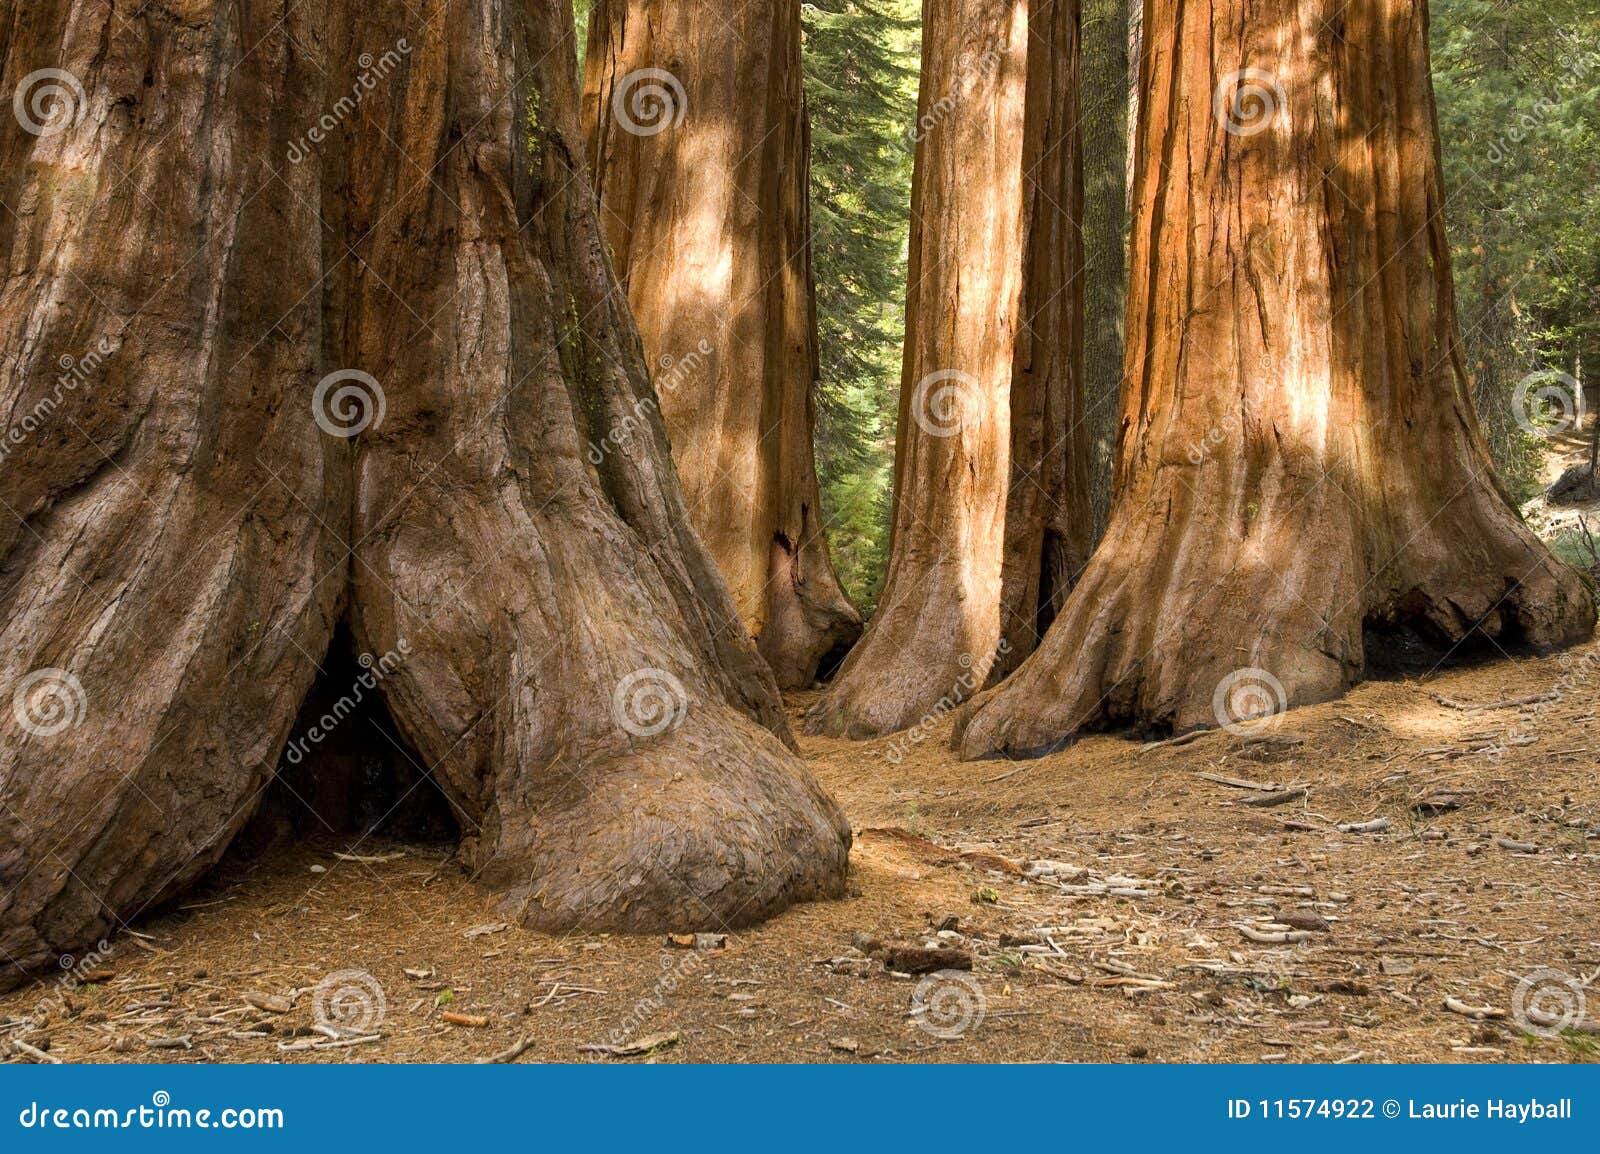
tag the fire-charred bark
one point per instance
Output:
(227, 213)
(991, 520)
(698, 141)
(1301, 473)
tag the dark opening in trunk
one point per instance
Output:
(346, 770)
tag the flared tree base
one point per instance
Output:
(1191, 617)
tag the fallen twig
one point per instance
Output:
(509, 1054)
(1484, 707)
(35, 1053)
(1476, 1013)
(634, 1049)
(1284, 937)
(1241, 782)
(1174, 742)
(1281, 797)
(341, 1044)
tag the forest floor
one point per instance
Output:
(1573, 526)
(1113, 900)
(1130, 946)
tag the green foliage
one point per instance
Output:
(1518, 90)
(1103, 122)
(861, 61)
(1578, 548)
(580, 16)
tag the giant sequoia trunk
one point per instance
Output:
(222, 212)
(697, 134)
(991, 520)
(1302, 481)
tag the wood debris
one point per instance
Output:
(1281, 797)
(1376, 825)
(509, 1054)
(1274, 935)
(1477, 1013)
(634, 1049)
(268, 1003)
(35, 1053)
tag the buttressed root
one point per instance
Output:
(1301, 467)
(354, 376)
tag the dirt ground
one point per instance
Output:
(1116, 902)
(1130, 947)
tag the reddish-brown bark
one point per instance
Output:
(697, 134)
(991, 518)
(182, 537)
(1301, 475)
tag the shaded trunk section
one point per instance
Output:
(991, 521)
(351, 326)
(699, 142)
(1301, 472)
(1105, 88)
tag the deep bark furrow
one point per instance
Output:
(698, 138)
(1300, 471)
(177, 602)
(991, 519)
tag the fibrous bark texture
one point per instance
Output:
(341, 329)
(991, 520)
(1301, 475)
(698, 140)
